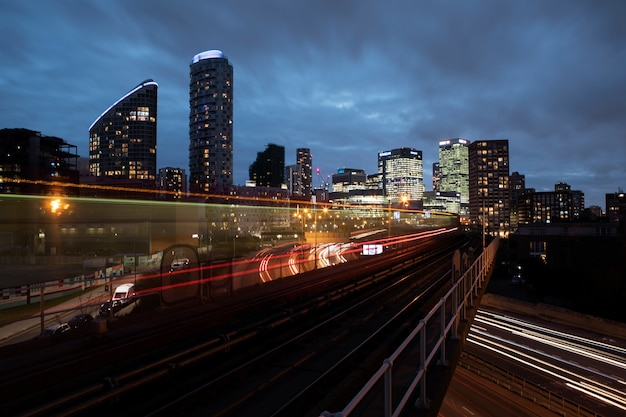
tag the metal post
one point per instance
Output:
(42, 287)
(422, 401)
(388, 406)
(455, 311)
(442, 333)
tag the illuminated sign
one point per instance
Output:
(372, 249)
(388, 153)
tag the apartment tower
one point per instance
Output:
(489, 194)
(210, 123)
(123, 140)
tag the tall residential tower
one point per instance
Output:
(123, 140)
(489, 188)
(210, 123)
(304, 159)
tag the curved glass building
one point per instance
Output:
(210, 124)
(123, 140)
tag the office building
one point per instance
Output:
(402, 174)
(123, 140)
(348, 179)
(32, 163)
(454, 170)
(269, 167)
(436, 176)
(489, 194)
(210, 124)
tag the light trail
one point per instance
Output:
(587, 349)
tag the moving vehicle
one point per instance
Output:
(178, 264)
(124, 293)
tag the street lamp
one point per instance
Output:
(389, 217)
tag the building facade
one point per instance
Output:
(489, 193)
(304, 186)
(559, 206)
(172, 183)
(269, 167)
(32, 163)
(293, 175)
(210, 124)
(402, 174)
(454, 170)
(123, 140)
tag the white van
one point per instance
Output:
(178, 264)
(124, 293)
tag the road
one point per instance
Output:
(588, 369)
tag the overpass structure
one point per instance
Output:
(429, 353)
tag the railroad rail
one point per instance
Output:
(353, 313)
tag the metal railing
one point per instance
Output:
(461, 297)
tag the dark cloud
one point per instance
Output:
(346, 78)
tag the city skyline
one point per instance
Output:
(359, 79)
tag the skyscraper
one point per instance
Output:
(402, 174)
(268, 170)
(210, 123)
(304, 159)
(123, 139)
(454, 170)
(489, 196)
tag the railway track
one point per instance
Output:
(293, 341)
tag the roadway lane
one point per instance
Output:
(467, 396)
(588, 370)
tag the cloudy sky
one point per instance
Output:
(345, 78)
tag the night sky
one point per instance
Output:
(346, 79)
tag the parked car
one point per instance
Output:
(81, 321)
(55, 330)
(105, 308)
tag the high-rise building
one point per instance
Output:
(402, 174)
(210, 123)
(123, 140)
(268, 170)
(172, 182)
(304, 159)
(32, 163)
(489, 195)
(454, 170)
(293, 176)
(436, 176)
(517, 184)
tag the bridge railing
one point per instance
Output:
(461, 297)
